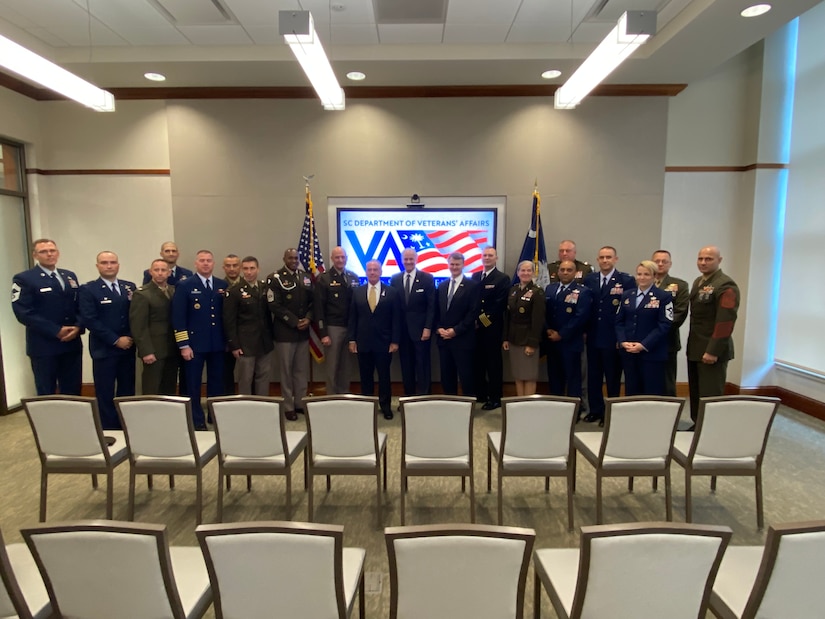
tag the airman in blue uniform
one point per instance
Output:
(169, 252)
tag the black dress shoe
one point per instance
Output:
(591, 418)
(291, 415)
(200, 428)
(299, 411)
(490, 406)
(388, 414)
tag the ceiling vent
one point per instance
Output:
(406, 12)
(194, 12)
(611, 10)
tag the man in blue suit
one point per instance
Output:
(374, 331)
(44, 299)
(417, 293)
(567, 312)
(197, 319)
(104, 309)
(603, 361)
(456, 313)
(169, 252)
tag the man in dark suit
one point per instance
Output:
(374, 331)
(248, 328)
(150, 315)
(197, 318)
(680, 292)
(489, 371)
(104, 310)
(44, 299)
(456, 312)
(567, 312)
(603, 361)
(417, 293)
(169, 252)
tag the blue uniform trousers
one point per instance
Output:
(214, 382)
(602, 363)
(113, 376)
(62, 371)
(642, 376)
(564, 372)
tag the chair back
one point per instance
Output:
(436, 426)
(342, 426)
(789, 579)
(12, 601)
(275, 569)
(458, 572)
(104, 569)
(640, 427)
(733, 426)
(157, 426)
(538, 426)
(66, 426)
(249, 426)
(676, 562)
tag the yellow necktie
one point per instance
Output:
(372, 298)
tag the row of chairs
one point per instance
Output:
(106, 569)
(537, 439)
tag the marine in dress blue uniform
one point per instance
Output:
(604, 364)
(568, 309)
(417, 315)
(104, 309)
(197, 319)
(643, 324)
(44, 299)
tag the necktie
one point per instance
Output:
(208, 286)
(451, 293)
(115, 288)
(562, 289)
(372, 298)
(639, 298)
(604, 282)
(57, 280)
(483, 275)
(407, 288)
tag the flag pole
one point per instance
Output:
(311, 265)
(538, 225)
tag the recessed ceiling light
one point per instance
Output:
(756, 10)
(356, 76)
(551, 74)
(155, 77)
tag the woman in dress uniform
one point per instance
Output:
(523, 325)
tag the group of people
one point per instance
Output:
(180, 321)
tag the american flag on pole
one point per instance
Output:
(533, 248)
(435, 246)
(309, 253)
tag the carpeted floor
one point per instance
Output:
(793, 485)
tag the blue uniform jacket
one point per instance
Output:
(44, 308)
(106, 316)
(649, 324)
(568, 314)
(197, 315)
(601, 329)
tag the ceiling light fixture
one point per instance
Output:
(155, 77)
(26, 63)
(298, 30)
(356, 76)
(756, 10)
(551, 74)
(633, 29)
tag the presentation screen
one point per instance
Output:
(383, 234)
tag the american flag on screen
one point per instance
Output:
(435, 246)
(313, 261)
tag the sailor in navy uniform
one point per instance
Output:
(169, 252)
(603, 362)
(494, 286)
(197, 319)
(104, 309)
(643, 324)
(44, 299)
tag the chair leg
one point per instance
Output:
(94, 481)
(668, 497)
(473, 497)
(378, 511)
(171, 482)
(228, 482)
(220, 494)
(198, 495)
(361, 590)
(44, 483)
(630, 484)
(463, 484)
(403, 498)
(713, 483)
(760, 518)
(131, 511)
(500, 490)
(688, 498)
(288, 491)
(489, 472)
(573, 466)
(110, 493)
(598, 498)
(306, 469)
(655, 483)
(329, 483)
(570, 483)
(249, 483)
(385, 470)
(547, 484)
(309, 495)
(149, 482)
(536, 597)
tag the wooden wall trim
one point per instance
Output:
(726, 168)
(124, 172)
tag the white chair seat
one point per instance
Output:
(562, 567)
(589, 444)
(353, 562)
(366, 461)
(295, 440)
(207, 448)
(192, 579)
(414, 462)
(735, 579)
(681, 450)
(514, 463)
(29, 580)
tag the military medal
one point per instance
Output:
(197, 306)
(521, 310)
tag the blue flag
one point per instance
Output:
(533, 248)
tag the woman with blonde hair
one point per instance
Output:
(523, 327)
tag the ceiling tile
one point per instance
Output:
(216, 35)
(354, 34)
(253, 13)
(482, 11)
(476, 33)
(65, 20)
(139, 23)
(410, 33)
(10, 15)
(540, 21)
(265, 35)
(591, 32)
(355, 12)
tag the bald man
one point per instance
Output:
(714, 302)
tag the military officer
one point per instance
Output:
(567, 251)
(150, 321)
(493, 289)
(714, 302)
(248, 328)
(197, 318)
(169, 252)
(44, 299)
(104, 310)
(522, 332)
(333, 295)
(290, 298)
(232, 275)
(568, 308)
(680, 293)
(603, 361)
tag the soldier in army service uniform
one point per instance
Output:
(567, 251)
(290, 298)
